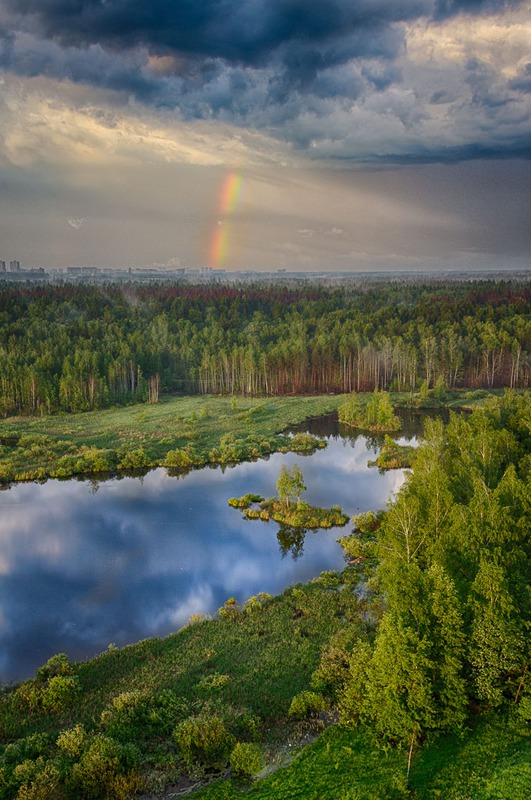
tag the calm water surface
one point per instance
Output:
(86, 564)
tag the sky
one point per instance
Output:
(266, 134)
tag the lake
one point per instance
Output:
(86, 564)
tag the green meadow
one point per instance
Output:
(177, 432)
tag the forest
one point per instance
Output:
(78, 347)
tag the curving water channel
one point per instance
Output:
(86, 564)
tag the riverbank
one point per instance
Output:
(113, 722)
(178, 432)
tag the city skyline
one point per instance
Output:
(318, 136)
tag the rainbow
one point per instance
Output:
(230, 194)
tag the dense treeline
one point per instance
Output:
(453, 576)
(76, 348)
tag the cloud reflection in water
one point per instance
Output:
(83, 568)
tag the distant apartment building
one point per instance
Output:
(2, 266)
(14, 266)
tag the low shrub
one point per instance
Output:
(60, 693)
(72, 740)
(56, 665)
(140, 715)
(107, 770)
(246, 760)
(306, 704)
(204, 741)
(134, 459)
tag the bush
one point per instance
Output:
(44, 785)
(137, 714)
(134, 459)
(246, 760)
(56, 665)
(230, 609)
(60, 693)
(204, 741)
(72, 740)
(179, 459)
(305, 704)
(212, 683)
(106, 771)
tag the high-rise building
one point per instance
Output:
(14, 266)
(2, 266)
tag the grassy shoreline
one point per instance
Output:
(178, 432)
(230, 666)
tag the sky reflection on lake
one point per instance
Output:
(83, 565)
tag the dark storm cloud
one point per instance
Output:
(449, 8)
(91, 66)
(229, 58)
(243, 31)
(523, 82)
(259, 63)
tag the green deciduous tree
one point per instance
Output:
(290, 484)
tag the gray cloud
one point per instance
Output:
(523, 82)
(324, 75)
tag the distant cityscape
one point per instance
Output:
(12, 271)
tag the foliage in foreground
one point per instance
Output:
(147, 714)
(453, 567)
(490, 761)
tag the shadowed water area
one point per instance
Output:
(84, 564)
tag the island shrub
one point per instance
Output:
(245, 501)
(376, 415)
(394, 456)
(306, 443)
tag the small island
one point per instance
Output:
(288, 508)
(375, 415)
(394, 456)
